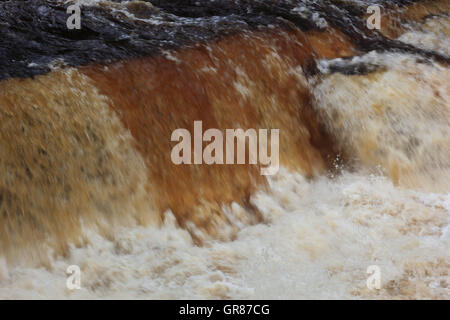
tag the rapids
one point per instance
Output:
(86, 176)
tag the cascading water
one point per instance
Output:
(86, 176)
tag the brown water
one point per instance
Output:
(86, 175)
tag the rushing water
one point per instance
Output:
(86, 177)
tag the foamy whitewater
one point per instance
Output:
(317, 241)
(318, 236)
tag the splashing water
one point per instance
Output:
(86, 177)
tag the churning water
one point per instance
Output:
(86, 177)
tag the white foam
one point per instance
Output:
(317, 241)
